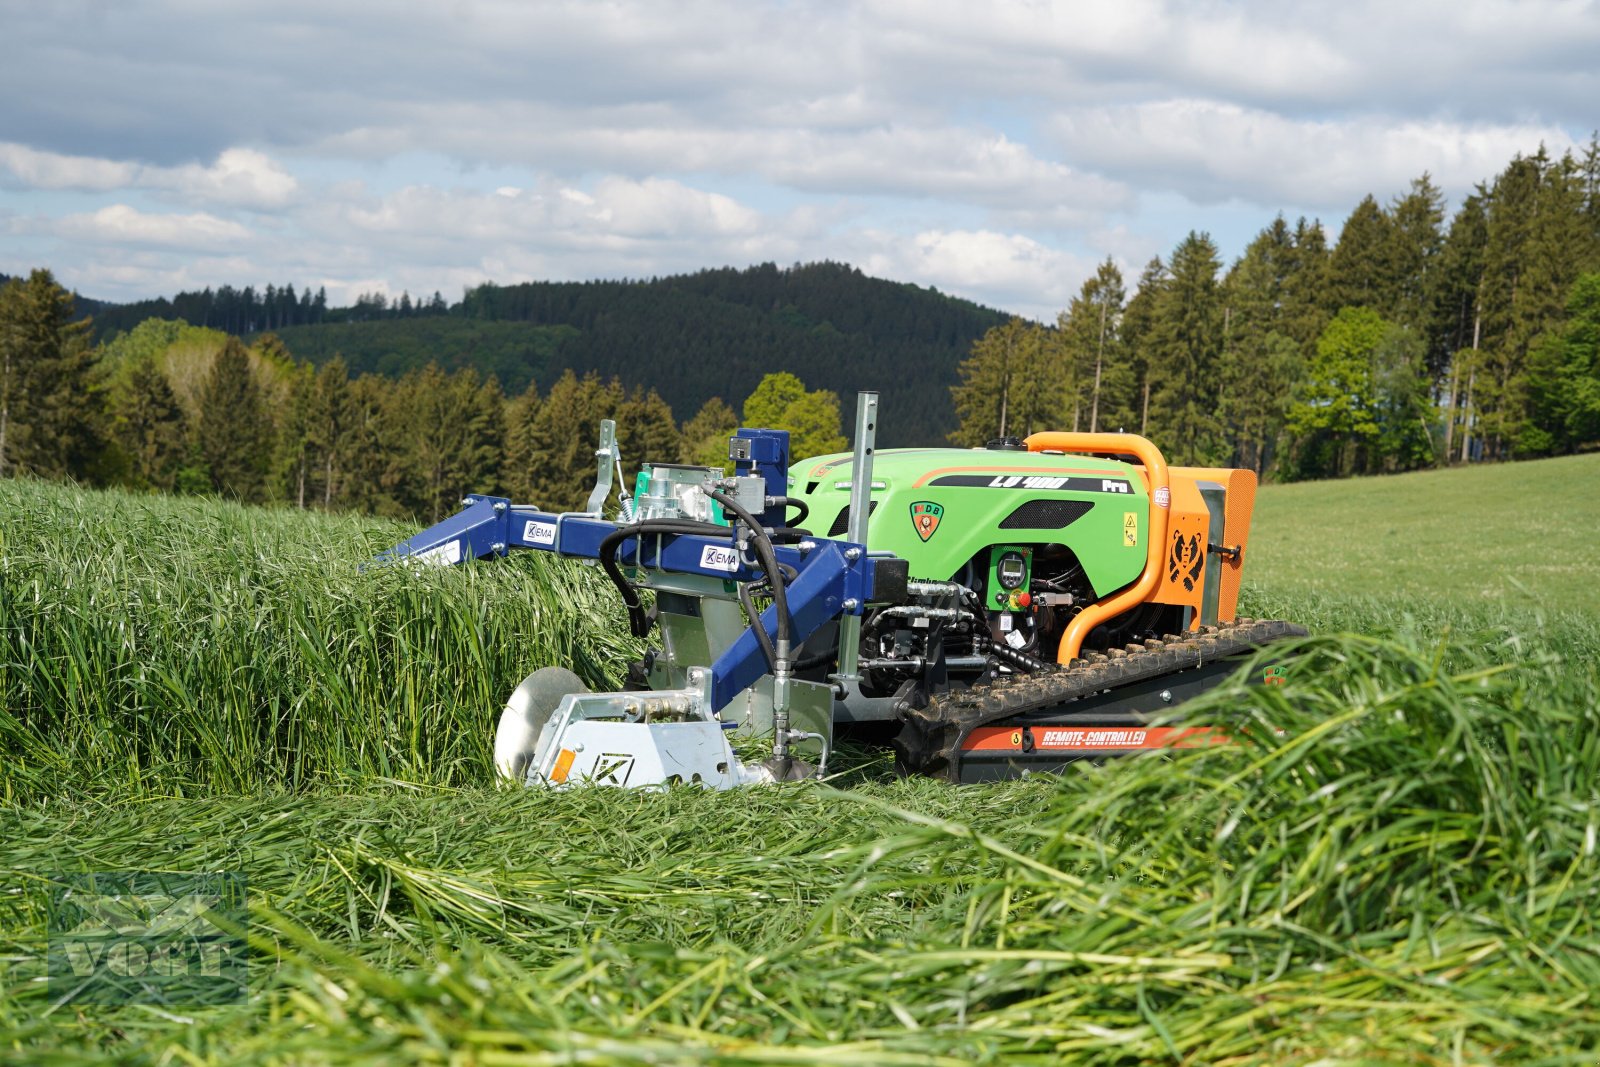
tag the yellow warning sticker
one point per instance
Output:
(1130, 529)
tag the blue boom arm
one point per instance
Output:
(832, 578)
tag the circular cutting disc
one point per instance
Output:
(529, 708)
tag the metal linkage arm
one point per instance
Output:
(832, 578)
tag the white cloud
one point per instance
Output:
(1005, 269)
(51, 170)
(121, 224)
(1209, 150)
(240, 177)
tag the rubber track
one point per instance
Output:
(951, 716)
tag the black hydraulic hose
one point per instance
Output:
(762, 638)
(805, 510)
(826, 656)
(638, 622)
(1020, 660)
(769, 564)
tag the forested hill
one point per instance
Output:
(713, 333)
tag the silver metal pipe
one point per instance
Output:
(917, 611)
(866, 437)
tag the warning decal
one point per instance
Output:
(1130, 529)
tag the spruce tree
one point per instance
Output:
(1411, 257)
(646, 430)
(1013, 384)
(150, 427)
(1186, 343)
(1355, 277)
(1138, 330)
(563, 437)
(49, 410)
(444, 436)
(517, 463)
(328, 430)
(234, 431)
(1089, 334)
(1260, 361)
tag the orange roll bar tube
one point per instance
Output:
(1160, 485)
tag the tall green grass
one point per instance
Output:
(1399, 866)
(162, 645)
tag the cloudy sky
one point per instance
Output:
(995, 150)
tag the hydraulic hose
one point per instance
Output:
(638, 622)
(782, 666)
(1020, 660)
(769, 563)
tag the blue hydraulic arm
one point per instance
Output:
(832, 578)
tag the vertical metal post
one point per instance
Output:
(866, 437)
(607, 459)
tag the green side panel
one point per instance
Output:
(937, 508)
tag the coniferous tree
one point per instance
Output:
(646, 431)
(1305, 312)
(328, 430)
(516, 468)
(234, 432)
(1012, 385)
(360, 456)
(1186, 343)
(294, 459)
(1354, 278)
(48, 402)
(1142, 372)
(1260, 361)
(563, 436)
(1410, 259)
(1089, 335)
(150, 427)
(448, 431)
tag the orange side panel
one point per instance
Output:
(1184, 558)
(1241, 488)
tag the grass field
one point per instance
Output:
(1406, 873)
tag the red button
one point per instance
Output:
(1023, 600)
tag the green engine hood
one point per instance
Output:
(936, 508)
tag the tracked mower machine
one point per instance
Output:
(988, 611)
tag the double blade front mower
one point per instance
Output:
(988, 612)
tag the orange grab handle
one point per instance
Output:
(1160, 485)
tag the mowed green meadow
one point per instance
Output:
(1399, 868)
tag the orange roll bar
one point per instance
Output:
(1160, 485)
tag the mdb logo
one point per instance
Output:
(147, 937)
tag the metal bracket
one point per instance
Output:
(608, 458)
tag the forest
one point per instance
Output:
(1409, 341)
(712, 333)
